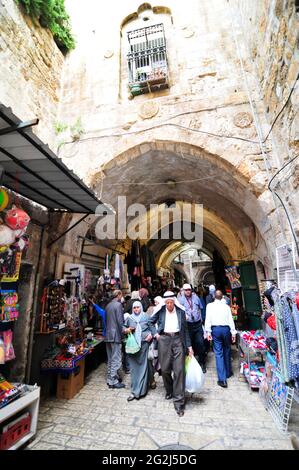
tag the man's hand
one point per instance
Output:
(129, 330)
(233, 338)
(149, 338)
(209, 337)
(157, 336)
(191, 353)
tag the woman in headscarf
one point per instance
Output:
(139, 324)
(143, 294)
(129, 304)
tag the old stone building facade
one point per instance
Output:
(213, 136)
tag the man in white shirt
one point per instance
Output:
(220, 328)
(173, 345)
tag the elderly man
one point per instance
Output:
(193, 308)
(220, 328)
(173, 344)
(114, 334)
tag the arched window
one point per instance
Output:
(144, 48)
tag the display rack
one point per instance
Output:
(279, 401)
(28, 402)
(248, 353)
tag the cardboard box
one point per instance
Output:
(69, 384)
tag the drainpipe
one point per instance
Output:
(34, 307)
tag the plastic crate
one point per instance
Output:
(15, 433)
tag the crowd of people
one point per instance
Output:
(165, 330)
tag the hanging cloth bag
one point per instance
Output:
(132, 346)
(194, 375)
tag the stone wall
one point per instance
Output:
(207, 110)
(31, 68)
(270, 29)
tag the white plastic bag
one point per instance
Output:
(194, 375)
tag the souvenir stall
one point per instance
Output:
(280, 383)
(269, 357)
(19, 403)
(67, 312)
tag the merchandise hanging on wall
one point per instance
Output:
(233, 276)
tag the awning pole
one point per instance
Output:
(68, 230)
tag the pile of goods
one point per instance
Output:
(254, 339)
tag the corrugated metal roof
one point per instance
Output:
(34, 171)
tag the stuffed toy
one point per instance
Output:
(7, 235)
(17, 219)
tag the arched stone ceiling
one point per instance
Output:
(202, 178)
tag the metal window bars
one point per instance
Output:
(147, 60)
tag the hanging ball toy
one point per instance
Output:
(3, 199)
(17, 219)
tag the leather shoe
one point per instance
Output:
(230, 375)
(131, 397)
(118, 385)
(204, 369)
(222, 384)
(180, 413)
(168, 396)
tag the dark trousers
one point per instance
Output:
(172, 358)
(197, 340)
(221, 342)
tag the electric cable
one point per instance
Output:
(282, 109)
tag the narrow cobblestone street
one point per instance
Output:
(99, 418)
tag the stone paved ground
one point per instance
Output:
(101, 418)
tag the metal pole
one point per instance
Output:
(68, 230)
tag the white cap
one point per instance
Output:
(186, 286)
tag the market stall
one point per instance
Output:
(19, 402)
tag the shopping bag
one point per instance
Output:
(150, 355)
(194, 375)
(132, 346)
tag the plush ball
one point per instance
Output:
(3, 199)
(17, 219)
(7, 235)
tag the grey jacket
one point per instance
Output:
(159, 318)
(114, 322)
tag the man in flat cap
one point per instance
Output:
(173, 345)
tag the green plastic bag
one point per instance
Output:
(132, 346)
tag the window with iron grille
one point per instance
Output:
(147, 60)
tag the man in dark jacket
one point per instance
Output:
(173, 345)
(113, 339)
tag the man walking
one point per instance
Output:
(173, 344)
(193, 309)
(220, 328)
(113, 339)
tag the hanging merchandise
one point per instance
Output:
(4, 199)
(9, 307)
(107, 277)
(9, 353)
(2, 351)
(233, 276)
(117, 267)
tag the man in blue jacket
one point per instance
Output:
(193, 309)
